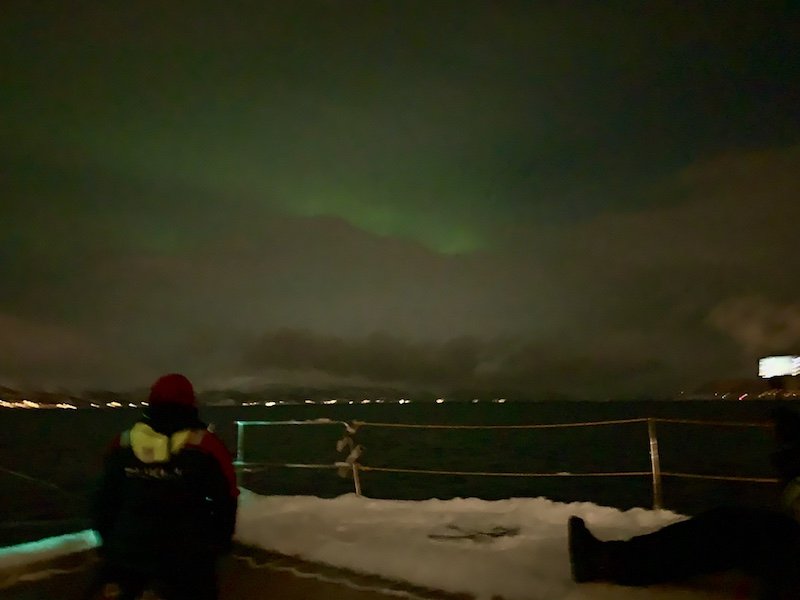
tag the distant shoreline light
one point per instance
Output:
(785, 394)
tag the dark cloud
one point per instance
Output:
(758, 325)
(458, 364)
(36, 353)
(377, 357)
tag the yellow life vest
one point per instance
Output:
(150, 446)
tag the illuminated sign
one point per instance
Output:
(777, 366)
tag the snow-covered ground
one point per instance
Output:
(514, 548)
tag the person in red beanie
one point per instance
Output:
(165, 509)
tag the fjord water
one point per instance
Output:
(57, 454)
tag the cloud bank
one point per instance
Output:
(642, 301)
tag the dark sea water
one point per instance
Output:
(61, 451)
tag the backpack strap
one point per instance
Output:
(196, 437)
(192, 438)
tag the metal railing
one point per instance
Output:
(351, 464)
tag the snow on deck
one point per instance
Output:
(515, 549)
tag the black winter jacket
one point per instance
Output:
(165, 495)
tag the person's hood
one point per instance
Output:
(169, 418)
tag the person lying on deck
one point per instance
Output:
(761, 542)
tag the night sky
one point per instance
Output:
(599, 199)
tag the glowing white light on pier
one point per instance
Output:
(779, 366)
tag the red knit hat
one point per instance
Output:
(172, 389)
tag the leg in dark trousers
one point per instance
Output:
(190, 579)
(759, 542)
(117, 582)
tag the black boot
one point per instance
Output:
(587, 555)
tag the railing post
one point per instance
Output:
(239, 448)
(655, 463)
(356, 480)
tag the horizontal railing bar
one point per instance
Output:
(535, 426)
(307, 422)
(244, 466)
(503, 474)
(721, 477)
(259, 465)
(764, 424)
(39, 481)
(250, 466)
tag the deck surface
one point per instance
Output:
(249, 574)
